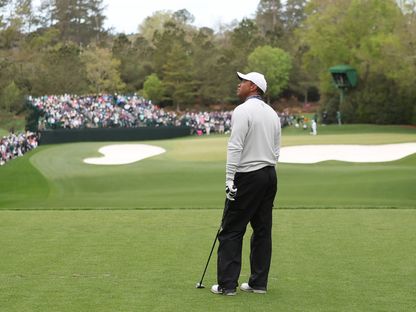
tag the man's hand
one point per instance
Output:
(230, 190)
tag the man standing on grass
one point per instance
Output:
(251, 185)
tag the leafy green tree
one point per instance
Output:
(275, 64)
(244, 39)
(11, 98)
(102, 70)
(133, 66)
(95, 20)
(161, 21)
(153, 89)
(233, 48)
(17, 15)
(11, 24)
(368, 35)
(72, 53)
(77, 20)
(382, 101)
(206, 67)
(59, 70)
(20, 64)
(154, 24)
(163, 43)
(269, 19)
(293, 15)
(177, 80)
(183, 16)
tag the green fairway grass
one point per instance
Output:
(79, 237)
(323, 260)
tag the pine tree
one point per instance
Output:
(80, 21)
(270, 21)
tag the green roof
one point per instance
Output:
(344, 76)
(341, 68)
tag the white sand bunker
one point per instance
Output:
(310, 154)
(122, 154)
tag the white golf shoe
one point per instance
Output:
(247, 288)
(216, 289)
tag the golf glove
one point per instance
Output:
(230, 190)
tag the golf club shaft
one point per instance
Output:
(215, 241)
(210, 254)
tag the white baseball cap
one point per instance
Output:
(256, 78)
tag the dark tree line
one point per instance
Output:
(62, 47)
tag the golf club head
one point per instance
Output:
(199, 285)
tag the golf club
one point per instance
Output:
(199, 284)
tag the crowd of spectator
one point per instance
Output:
(207, 122)
(15, 145)
(112, 111)
(107, 111)
(297, 120)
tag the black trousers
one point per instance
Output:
(256, 191)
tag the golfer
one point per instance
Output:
(251, 185)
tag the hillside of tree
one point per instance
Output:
(62, 47)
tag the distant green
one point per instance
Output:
(191, 175)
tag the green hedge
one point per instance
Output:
(111, 134)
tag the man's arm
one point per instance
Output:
(278, 140)
(240, 126)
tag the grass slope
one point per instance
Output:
(21, 182)
(191, 175)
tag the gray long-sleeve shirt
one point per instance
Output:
(255, 138)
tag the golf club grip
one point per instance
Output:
(226, 207)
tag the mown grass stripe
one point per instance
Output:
(204, 209)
